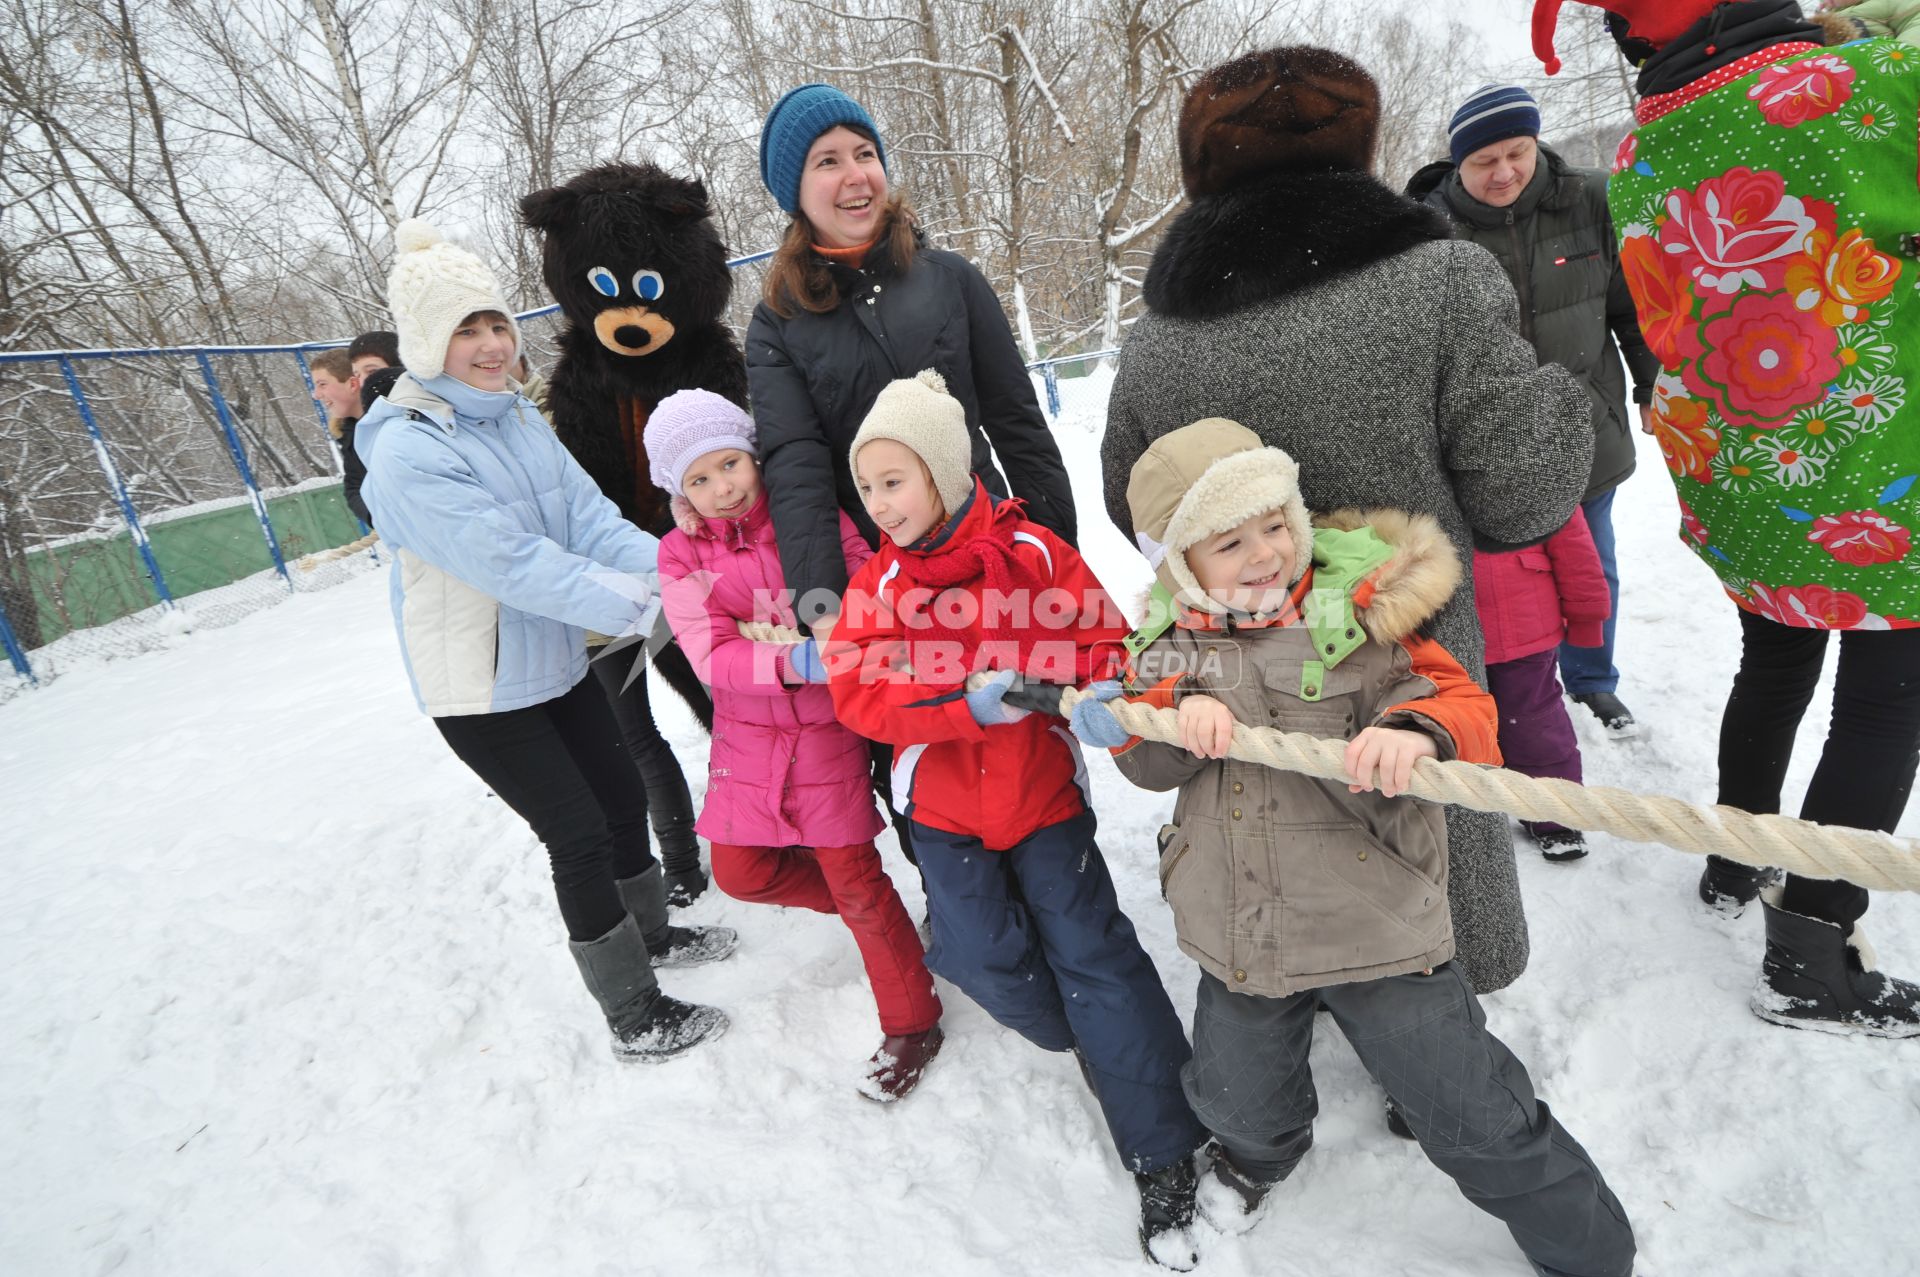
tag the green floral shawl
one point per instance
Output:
(1769, 215)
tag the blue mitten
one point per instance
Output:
(988, 708)
(1093, 722)
(804, 659)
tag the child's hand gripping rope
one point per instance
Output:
(1391, 751)
(987, 701)
(803, 659)
(1874, 860)
(1092, 721)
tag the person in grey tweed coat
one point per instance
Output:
(1341, 323)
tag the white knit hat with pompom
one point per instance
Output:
(433, 287)
(919, 413)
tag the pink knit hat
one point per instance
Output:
(686, 426)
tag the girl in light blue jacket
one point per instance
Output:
(504, 552)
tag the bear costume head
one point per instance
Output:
(631, 255)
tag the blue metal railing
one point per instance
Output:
(236, 449)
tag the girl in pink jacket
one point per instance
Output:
(1529, 601)
(789, 807)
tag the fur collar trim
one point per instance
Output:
(1409, 589)
(1280, 235)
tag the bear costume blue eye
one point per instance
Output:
(648, 285)
(603, 282)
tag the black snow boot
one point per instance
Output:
(648, 1026)
(672, 815)
(1614, 716)
(1729, 886)
(895, 1069)
(1228, 1198)
(1557, 844)
(1815, 976)
(645, 896)
(1166, 1216)
(685, 888)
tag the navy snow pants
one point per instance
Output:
(1035, 935)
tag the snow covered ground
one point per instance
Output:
(287, 992)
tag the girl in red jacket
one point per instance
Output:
(789, 804)
(1529, 601)
(1023, 910)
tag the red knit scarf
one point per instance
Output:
(991, 558)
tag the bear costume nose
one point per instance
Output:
(632, 336)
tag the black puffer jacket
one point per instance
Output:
(1557, 245)
(812, 379)
(354, 470)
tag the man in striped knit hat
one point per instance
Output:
(1547, 222)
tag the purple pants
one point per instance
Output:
(1536, 736)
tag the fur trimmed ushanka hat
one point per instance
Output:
(1198, 482)
(1291, 109)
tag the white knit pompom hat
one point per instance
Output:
(919, 413)
(433, 287)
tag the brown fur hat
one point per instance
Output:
(1295, 108)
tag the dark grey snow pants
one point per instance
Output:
(1424, 1039)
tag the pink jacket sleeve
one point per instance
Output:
(853, 546)
(721, 657)
(1580, 580)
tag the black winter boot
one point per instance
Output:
(1729, 886)
(1228, 1198)
(1397, 1122)
(1815, 976)
(648, 1026)
(1166, 1216)
(671, 811)
(1615, 718)
(645, 896)
(685, 888)
(1558, 845)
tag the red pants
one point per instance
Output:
(850, 882)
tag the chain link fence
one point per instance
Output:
(148, 493)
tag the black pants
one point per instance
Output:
(667, 800)
(562, 766)
(1873, 743)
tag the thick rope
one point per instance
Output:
(308, 562)
(1866, 857)
(768, 632)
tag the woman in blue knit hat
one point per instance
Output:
(853, 300)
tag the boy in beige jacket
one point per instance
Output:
(1296, 894)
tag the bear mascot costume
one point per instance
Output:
(633, 259)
